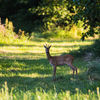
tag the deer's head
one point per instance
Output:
(47, 47)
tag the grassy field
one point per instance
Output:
(25, 73)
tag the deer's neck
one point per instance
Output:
(48, 55)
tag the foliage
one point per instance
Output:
(7, 33)
(55, 33)
(88, 11)
(76, 31)
(94, 69)
(55, 13)
(48, 15)
(94, 49)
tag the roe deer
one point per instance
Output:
(59, 60)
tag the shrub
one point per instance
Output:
(94, 49)
(7, 33)
(69, 31)
(94, 69)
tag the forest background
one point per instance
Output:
(52, 18)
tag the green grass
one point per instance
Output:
(25, 73)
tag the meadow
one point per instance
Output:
(25, 73)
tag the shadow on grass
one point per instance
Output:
(23, 45)
(24, 66)
(16, 45)
(94, 49)
(20, 75)
(49, 41)
(17, 73)
(63, 83)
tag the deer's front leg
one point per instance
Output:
(54, 73)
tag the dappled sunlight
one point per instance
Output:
(26, 68)
(21, 55)
(35, 50)
(35, 75)
(14, 49)
(74, 43)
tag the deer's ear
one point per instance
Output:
(50, 46)
(44, 46)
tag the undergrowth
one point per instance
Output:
(94, 49)
(94, 69)
(7, 34)
(43, 95)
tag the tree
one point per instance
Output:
(89, 12)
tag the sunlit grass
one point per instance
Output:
(43, 95)
(28, 74)
(37, 47)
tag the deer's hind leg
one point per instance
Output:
(73, 68)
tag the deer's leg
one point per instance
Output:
(73, 68)
(76, 70)
(54, 73)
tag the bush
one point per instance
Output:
(94, 49)
(94, 70)
(54, 33)
(69, 31)
(7, 33)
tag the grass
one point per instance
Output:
(25, 73)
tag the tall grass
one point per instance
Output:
(40, 94)
(7, 34)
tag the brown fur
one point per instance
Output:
(59, 60)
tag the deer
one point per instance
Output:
(59, 60)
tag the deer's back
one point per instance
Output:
(61, 60)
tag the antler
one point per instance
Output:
(47, 45)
